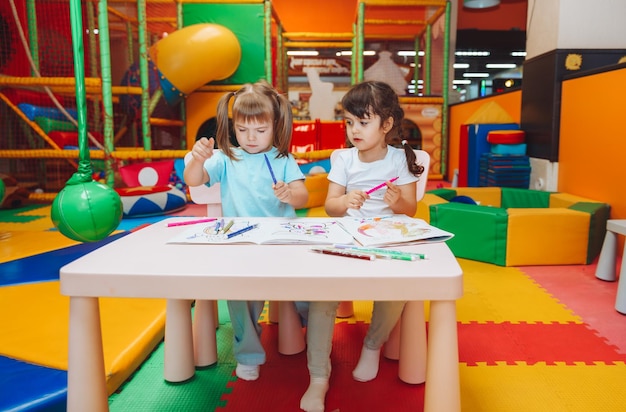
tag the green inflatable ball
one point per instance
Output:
(86, 212)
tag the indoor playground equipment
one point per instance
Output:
(160, 52)
(518, 227)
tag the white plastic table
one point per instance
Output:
(143, 265)
(607, 267)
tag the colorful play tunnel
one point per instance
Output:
(193, 56)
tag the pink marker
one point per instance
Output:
(380, 186)
(190, 222)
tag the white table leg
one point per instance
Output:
(86, 382)
(290, 334)
(605, 269)
(204, 340)
(443, 391)
(413, 354)
(178, 364)
(273, 309)
(620, 300)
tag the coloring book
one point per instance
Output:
(393, 230)
(266, 231)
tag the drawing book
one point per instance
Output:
(266, 231)
(393, 230)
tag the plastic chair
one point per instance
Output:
(290, 333)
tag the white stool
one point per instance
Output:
(606, 269)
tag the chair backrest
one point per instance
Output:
(422, 158)
(206, 195)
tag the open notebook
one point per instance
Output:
(378, 231)
(394, 230)
(266, 231)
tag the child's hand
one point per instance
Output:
(203, 149)
(355, 199)
(392, 195)
(282, 191)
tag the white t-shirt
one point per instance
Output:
(348, 171)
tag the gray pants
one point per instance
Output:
(321, 323)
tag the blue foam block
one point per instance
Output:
(27, 387)
(324, 164)
(509, 149)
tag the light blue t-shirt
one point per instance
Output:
(348, 171)
(246, 184)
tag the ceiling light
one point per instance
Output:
(500, 65)
(303, 53)
(461, 65)
(409, 53)
(518, 54)
(349, 53)
(461, 82)
(475, 74)
(476, 53)
(480, 4)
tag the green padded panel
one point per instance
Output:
(524, 198)
(600, 213)
(446, 194)
(480, 232)
(49, 125)
(246, 21)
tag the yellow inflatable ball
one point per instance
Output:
(86, 212)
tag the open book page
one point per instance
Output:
(266, 231)
(393, 230)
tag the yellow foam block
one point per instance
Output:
(317, 185)
(423, 206)
(566, 200)
(485, 196)
(547, 236)
(37, 329)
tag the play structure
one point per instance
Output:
(155, 70)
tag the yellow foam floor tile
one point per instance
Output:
(505, 294)
(540, 387)
(20, 244)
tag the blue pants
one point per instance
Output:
(244, 316)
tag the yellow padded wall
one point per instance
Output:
(485, 196)
(563, 238)
(423, 206)
(566, 200)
